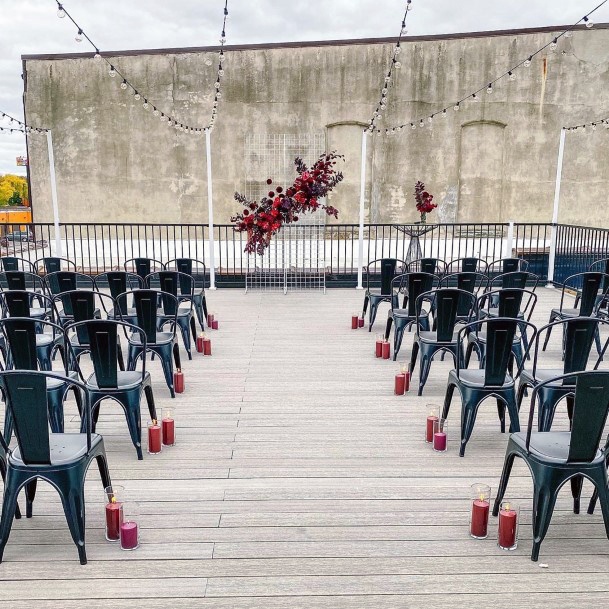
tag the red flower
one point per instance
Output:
(269, 181)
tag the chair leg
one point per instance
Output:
(388, 327)
(577, 482)
(501, 413)
(398, 336)
(74, 509)
(424, 369)
(522, 389)
(3, 474)
(9, 507)
(505, 478)
(150, 402)
(447, 400)
(184, 331)
(193, 329)
(543, 507)
(204, 305)
(365, 307)
(468, 419)
(374, 305)
(597, 340)
(30, 494)
(602, 489)
(413, 356)
(104, 472)
(545, 342)
(134, 424)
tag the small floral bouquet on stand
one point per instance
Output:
(424, 201)
(262, 219)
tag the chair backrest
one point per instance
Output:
(20, 280)
(515, 279)
(448, 303)
(603, 267)
(189, 266)
(143, 266)
(507, 265)
(54, 264)
(18, 303)
(20, 334)
(13, 263)
(500, 334)
(171, 282)
(67, 281)
(590, 410)
(27, 401)
(82, 305)
(591, 283)
(468, 281)
(119, 282)
(387, 271)
(466, 265)
(433, 266)
(146, 309)
(413, 285)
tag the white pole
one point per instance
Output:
(552, 257)
(210, 206)
(510, 240)
(58, 248)
(362, 202)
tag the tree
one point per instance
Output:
(13, 190)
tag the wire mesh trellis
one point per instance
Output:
(294, 259)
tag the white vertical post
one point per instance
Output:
(509, 246)
(210, 207)
(559, 164)
(58, 248)
(362, 204)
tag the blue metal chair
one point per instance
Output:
(198, 271)
(506, 265)
(557, 457)
(109, 380)
(54, 264)
(22, 280)
(162, 343)
(59, 458)
(58, 283)
(14, 263)
(412, 285)
(383, 270)
(600, 266)
(449, 304)
(143, 266)
(493, 380)
(578, 333)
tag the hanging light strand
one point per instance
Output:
(19, 126)
(138, 95)
(510, 74)
(394, 64)
(603, 122)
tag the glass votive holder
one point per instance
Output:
(481, 500)
(432, 417)
(440, 443)
(168, 426)
(507, 538)
(154, 437)
(113, 502)
(129, 530)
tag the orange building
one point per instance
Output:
(14, 218)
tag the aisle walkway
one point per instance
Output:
(299, 481)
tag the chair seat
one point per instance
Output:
(551, 446)
(475, 378)
(481, 337)
(542, 375)
(494, 312)
(432, 337)
(44, 340)
(124, 380)
(38, 312)
(65, 448)
(565, 313)
(130, 314)
(182, 312)
(162, 338)
(53, 383)
(403, 313)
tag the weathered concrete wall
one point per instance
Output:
(492, 161)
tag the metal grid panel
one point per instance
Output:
(294, 258)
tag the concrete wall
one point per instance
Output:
(492, 161)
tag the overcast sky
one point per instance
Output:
(32, 26)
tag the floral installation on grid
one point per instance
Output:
(425, 204)
(262, 219)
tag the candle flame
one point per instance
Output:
(113, 500)
(507, 507)
(481, 496)
(154, 422)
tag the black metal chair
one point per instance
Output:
(412, 285)
(466, 265)
(109, 380)
(59, 458)
(143, 266)
(509, 304)
(433, 266)
(493, 380)
(162, 343)
(14, 263)
(119, 282)
(60, 282)
(54, 264)
(449, 305)
(469, 281)
(600, 266)
(198, 271)
(506, 265)
(181, 286)
(594, 287)
(578, 333)
(557, 457)
(386, 274)
(22, 280)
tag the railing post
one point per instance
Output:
(58, 247)
(510, 240)
(362, 203)
(210, 206)
(553, 240)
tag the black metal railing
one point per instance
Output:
(101, 247)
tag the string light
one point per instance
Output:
(394, 64)
(511, 73)
(20, 127)
(130, 88)
(593, 125)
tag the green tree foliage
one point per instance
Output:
(13, 190)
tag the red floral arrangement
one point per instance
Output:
(261, 220)
(424, 200)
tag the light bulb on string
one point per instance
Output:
(512, 75)
(124, 85)
(553, 44)
(219, 95)
(163, 118)
(527, 62)
(430, 119)
(137, 96)
(220, 72)
(489, 89)
(413, 126)
(397, 64)
(112, 72)
(444, 113)
(457, 107)
(421, 124)
(593, 126)
(409, 5)
(60, 12)
(78, 36)
(97, 55)
(155, 112)
(588, 23)
(145, 105)
(475, 97)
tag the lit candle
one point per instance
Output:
(379, 346)
(400, 384)
(431, 419)
(114, 518)
(129, 537)
(206, 346)
(154, 437)
(168, 424)
(215, 324)
(360, 322)
(439, 441)
(200, 342)
(210, 320)
(386, 350)
(178, 381)
(354, 322)
(406, 373)
(479, 524)
(508, 520)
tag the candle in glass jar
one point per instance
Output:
(386, 350)
(206, 346)
(431, 419)
(215, 324)
(154, 438)
(400, 384)
(210, 320)
(169, 436)
(200, 343)
(379, 347)
(360, 322)
(439, 441)
(406, 373)
(178, 381)
(508, 518)
(114, 518)
(129, 537)
(354, 322)
(479, 524)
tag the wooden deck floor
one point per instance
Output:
(300, 481)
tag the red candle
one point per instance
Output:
(114, 518)
(178, 381)
(129, 535)
(354, 322)
(379, 348)
(439, 441)
(400, 382)
(360, 322)
(479, 525)
(206, 346)
(386, 350)
(154, 438)
(407, 380)
(215, 324)
(507, 528)
(169, 435)
(210, 320)
(431, 419)
(200, 343)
